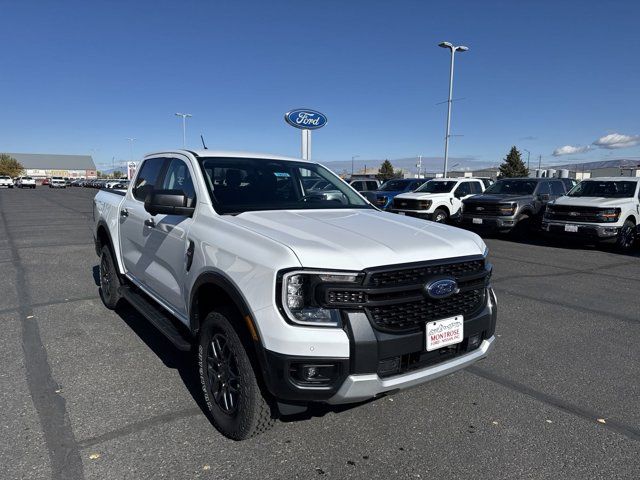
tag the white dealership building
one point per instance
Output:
(46, 165)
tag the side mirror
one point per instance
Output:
(168, 202)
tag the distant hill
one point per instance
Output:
(618, 162)
(429, 164)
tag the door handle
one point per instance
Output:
(150, 222)
(124, 212)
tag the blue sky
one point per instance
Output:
(81, 77)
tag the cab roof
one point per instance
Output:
(230, 154)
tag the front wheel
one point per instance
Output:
(626, 236)
(231, 391)
(109, 280)
(440, 215)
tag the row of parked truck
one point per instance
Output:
(600, 209)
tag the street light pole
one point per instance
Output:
(353, 157)
(131, 140)
(184, 127)
(528, 155)
(454, 49)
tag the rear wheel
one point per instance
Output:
(109, 280)
(231, 391)
(626, 236)
(440, 215)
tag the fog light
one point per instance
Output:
(474, 341)
(317, 375)
(388, 366)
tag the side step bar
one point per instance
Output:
(160, 319)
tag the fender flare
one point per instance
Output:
(220, 280)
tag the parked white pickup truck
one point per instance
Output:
(606, 208)
(6, 181)
(287, 297)
(439, 199)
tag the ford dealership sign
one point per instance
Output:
(305, 119)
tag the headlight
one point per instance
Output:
(610, 214)
(507, 209)
(299, 300)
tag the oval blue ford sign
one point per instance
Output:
(305, 118)
(443, 288)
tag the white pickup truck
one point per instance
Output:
(601, 209)
(289, 298)
(439, 199)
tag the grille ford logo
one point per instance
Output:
(479, 208)
(574, 214)
(443, 288)
(305, 119)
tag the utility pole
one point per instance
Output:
(184, 127)
(419, 165)
(528, 154)
(453, 48)
(353, 157)
(540, 162)
(131, 140)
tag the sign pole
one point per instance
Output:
(306, 144)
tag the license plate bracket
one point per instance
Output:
(444, 332)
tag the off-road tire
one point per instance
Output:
(626, 236)
(109, 279)
(252, 414)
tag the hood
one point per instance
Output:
(498, 198)
(424, 195)
(357, 239)
(602, 202)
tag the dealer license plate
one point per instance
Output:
(477, 221)
(447, 331)
(571, 228)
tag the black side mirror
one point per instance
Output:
(168, 202)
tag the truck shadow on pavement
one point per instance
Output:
(185, 363)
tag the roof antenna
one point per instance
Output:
(203, 144)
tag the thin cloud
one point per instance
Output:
(570, 150)
(617, 140)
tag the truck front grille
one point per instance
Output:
(479, 209)
(574, 214)
(411, 204)
(395, 301)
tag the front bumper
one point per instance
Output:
(413, 213)
(361, 376)
(590, 231)
(502, 223)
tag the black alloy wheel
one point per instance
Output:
(626, 236)
(224, 377)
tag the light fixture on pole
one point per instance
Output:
(454, 49)
(353, 157)
(184, 127)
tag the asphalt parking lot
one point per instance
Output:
(90, 393)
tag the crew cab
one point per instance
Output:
(601, 209)
(511, 204)
(57, 182)
(26, 182)
(288, 298)
(5, 181)
(384, 195)
(439, 199)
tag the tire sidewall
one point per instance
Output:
(620, 242)
(437, 212)
(111, 297)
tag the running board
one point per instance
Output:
(160, 319)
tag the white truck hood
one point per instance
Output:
(424, 195)
(601, 202)
(356, 239)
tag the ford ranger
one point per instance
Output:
(439, 199)
(288, 298)
(600, 209)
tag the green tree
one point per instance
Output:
(10, 166)
(386, 172)
(513, 166)
(116, 174)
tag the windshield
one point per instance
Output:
(393, 186)
(27, 178)
(607, 189)
(434, 186)
(239, 185)
(512, 187)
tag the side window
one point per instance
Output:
(372, 186)
(357, 185)
(463, 190)
(147, 178)
(476, 187)
(557, 188)
(178, 177)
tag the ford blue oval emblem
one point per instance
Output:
(443, 288)
(305, 118)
